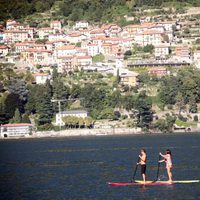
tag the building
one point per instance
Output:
(66, 50)
(129, 79)
(16, 130)
(81, 25)
(158, 71)
(37, 56)
(161, 51)
(83, 61)
(183, 53)
(41, 78)
(92, 49)
(16, 36)
(56, 25)
(74, 113)
(3, 50)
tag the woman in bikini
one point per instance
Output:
(168, 160)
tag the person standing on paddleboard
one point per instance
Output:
(168, 160)
(142, 163)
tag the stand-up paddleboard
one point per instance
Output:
(152, 183)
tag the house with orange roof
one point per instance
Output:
(97, 33)
(81, 51)
(66, 50)
(161, 51)
(10, 23)
(158, 71)
(109, 49)
(130, 79)
(98, 40)
(145, 19)
(56, 25)
(81, 25)
(30, 30)
(16, 36)
(16, 130)
(41, 78)
(13, 25)
(83, 61)
(76, 37)
(182, 53)
(21, 46)
(57, 37)
(111, 30)
(92, 49)
(43, 33)
(149, 37)
(37, 56)
(3, 50)
(66, 63)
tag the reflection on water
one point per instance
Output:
(79, 168)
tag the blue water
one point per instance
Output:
(79, 168)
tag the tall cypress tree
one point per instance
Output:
(143, 106)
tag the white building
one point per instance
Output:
(161, 51)
(75, 113)
(3, 50)
(92, 49)
(81, 25)
(16, 130)
(41, 78)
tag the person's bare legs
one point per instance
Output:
(169, 174)
(144, 177)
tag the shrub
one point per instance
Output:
(196, 119)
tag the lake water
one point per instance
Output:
(79, 168)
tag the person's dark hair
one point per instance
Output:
(143, 150)
(168, 152)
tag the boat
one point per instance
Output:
(152, 183)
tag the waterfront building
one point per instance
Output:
(16, 130)
(74, 113)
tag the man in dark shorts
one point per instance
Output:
(142, 162)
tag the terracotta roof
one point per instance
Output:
(67, 47)
(83, 57)
(55, 22)
(3, 47)
(40, 74)
(13, 125)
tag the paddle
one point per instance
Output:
(135, 170)
(158, 168)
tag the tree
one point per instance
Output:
(12, 102)
(25, 118)
(166, 125)
(19, 88)
(193, 105)
(148, 48)
(144, 114)
(60, 91)
(17, 117)
(180, 102)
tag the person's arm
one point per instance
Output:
(162, 155)
(142, 158)
(160, 161)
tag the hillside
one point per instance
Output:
(92, 10)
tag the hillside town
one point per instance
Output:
(173, 43)
(69, 49)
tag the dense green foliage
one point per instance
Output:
(20, 8)
(93, 10)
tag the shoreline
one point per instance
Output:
(93, 132)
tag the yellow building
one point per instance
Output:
(129, 79)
